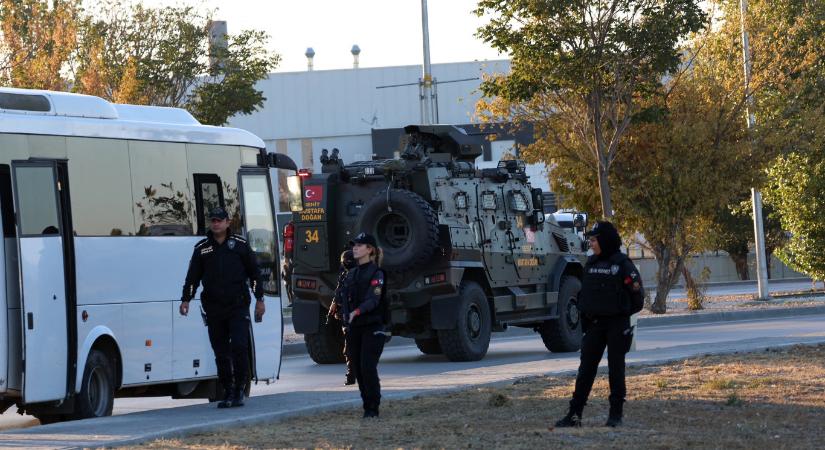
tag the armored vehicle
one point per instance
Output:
(466, 251)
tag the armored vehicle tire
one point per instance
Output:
(470, 339)
(564, 334)
(327, 345)
(405, 226)
(429, 346)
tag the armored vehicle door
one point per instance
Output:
(529, 245)
(496, 235)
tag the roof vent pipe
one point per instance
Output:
(310, 54)
(356, 50)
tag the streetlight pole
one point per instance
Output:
(756, 196)
(426, 82)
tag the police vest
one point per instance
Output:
(603, 292)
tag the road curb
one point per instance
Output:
(299, 348)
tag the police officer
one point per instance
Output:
(224, 262)
(347, 263)
(365, 309)
(611, 291)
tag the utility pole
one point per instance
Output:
(758, 227)
(426, 82)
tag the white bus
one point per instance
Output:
(100, 206)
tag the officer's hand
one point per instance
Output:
(353, 315)
(333, 309)
(260, 309)
(184, 308)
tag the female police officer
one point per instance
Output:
(366, 310)
(611, 292)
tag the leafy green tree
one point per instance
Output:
(162, 56)
(579, 70)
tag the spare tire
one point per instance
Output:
(405, 226)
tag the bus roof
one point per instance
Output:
(37, 112)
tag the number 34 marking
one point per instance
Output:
(312, 237)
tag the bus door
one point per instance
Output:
(257, 210)
(44, 241)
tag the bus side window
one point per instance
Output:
(208, 195)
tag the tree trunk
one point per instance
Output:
(604, 191)
(670, 266)
(741, 263)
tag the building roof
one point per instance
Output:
(28, 111)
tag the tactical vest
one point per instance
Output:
(603, 292)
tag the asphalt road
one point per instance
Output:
(510, 356)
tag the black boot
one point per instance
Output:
(572, 419)
(350, 379)
(614, 419)
(228, 397)
(237, 396)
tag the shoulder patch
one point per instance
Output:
(239, 238)
(201, 242)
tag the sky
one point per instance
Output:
(387, 31)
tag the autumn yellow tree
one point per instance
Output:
(38, 39)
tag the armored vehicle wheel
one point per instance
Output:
(429, 346)
(470, 339)
(564, 334)
(405, 225)
(327, 345)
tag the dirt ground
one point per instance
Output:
(770, 399)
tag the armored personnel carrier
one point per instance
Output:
(466, 251)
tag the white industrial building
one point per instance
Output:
(308, 111)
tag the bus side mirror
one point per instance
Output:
(278, 161)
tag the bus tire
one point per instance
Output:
(97, 389)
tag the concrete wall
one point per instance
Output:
(721, 269)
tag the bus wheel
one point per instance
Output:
(46, 419)
(97, 390)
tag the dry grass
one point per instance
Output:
(773, 399)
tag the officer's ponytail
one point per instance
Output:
(377, 255)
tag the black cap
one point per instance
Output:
(364, 238)
(218, 213)
(608, 237)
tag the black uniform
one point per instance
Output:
(224, 270)
(611, 291)
(364, 290)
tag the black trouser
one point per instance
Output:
(613, 333)
(365, 348)
(229, 336)
(346, 352)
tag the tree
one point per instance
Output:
(795, 116)
(579, 70)
(162, 56)
(731, 230)
(681, 166)
(38, 38)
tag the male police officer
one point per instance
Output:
(224, 262)
(611, 291)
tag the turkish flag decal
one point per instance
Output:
(313, 193)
